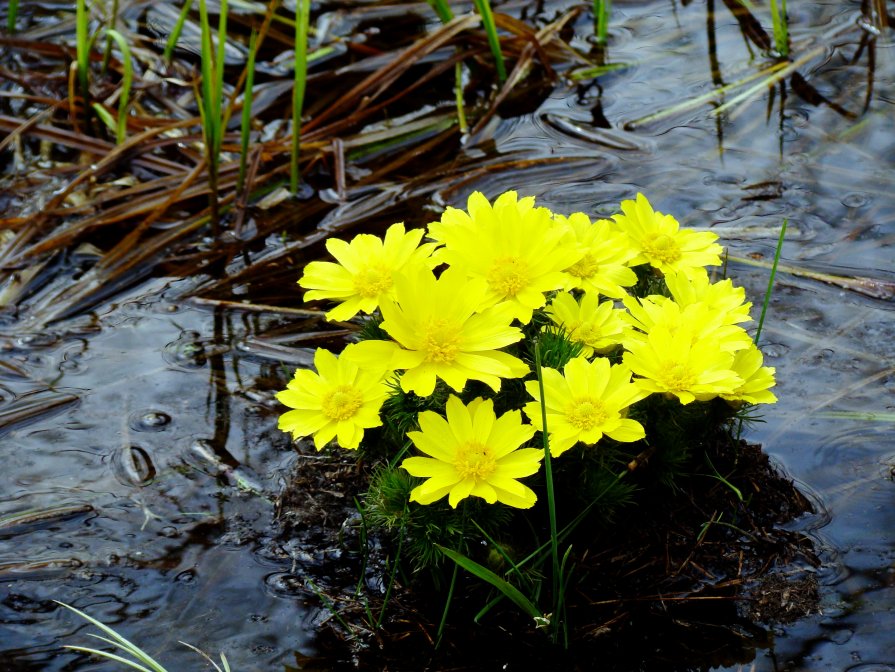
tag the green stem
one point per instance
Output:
(548, 477)
(770, 288)
(447, 606)
(393, 574)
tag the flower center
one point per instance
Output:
(372, 280)
(508, 276)
(663, 248)
(441, 342)
(342, 402)
(586, 267)
(586, 413)
(677, 376)
(474, 460)
(587, 333)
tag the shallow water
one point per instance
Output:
(156, 468)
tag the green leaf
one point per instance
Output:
(486, 574)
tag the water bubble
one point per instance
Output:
(133, 466)
(187, 352)
(186, 576)
(774, 350)
(855, 200)
(149, 421)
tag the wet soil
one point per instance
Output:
(684, 580)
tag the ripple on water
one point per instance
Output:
(133, 466)
(149, 420)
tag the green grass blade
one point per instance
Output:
(770, 288)
(175, 32)
(11, 16)
(206, 66)
(105, 117)
(217, 103)
(781, 32)
(245, 129)
(443, 9)
(109, 656)
(130, 647)
(126, 81)
(551, 497)
(303, 15)
(82, 46)
(483, 7)
(601, 21)
(486, 574)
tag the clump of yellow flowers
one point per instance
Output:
(457, 320)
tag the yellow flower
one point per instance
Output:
(366, 270)
(698, 321)
(604, 266)
(584, 402)
(757, 379)
(663, 244)
(515, 247)
(679, 365)
(439, 332)
(473, 454)
(339, 400)
(597, 326)
(720, 298)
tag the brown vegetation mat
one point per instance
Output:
(682, 581)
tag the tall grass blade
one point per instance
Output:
(113, 18)
(82, 46)
(246, 121)
(127, 79)
(601, 21)
(12, 15)
(486, 574)
(171, 43)
(770, 289)
(212, 76)
(443, 9)
(483, 7)
(303, 11)
(118, 641)
(781, 32)
(219, 81)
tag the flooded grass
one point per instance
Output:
(121, 303)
